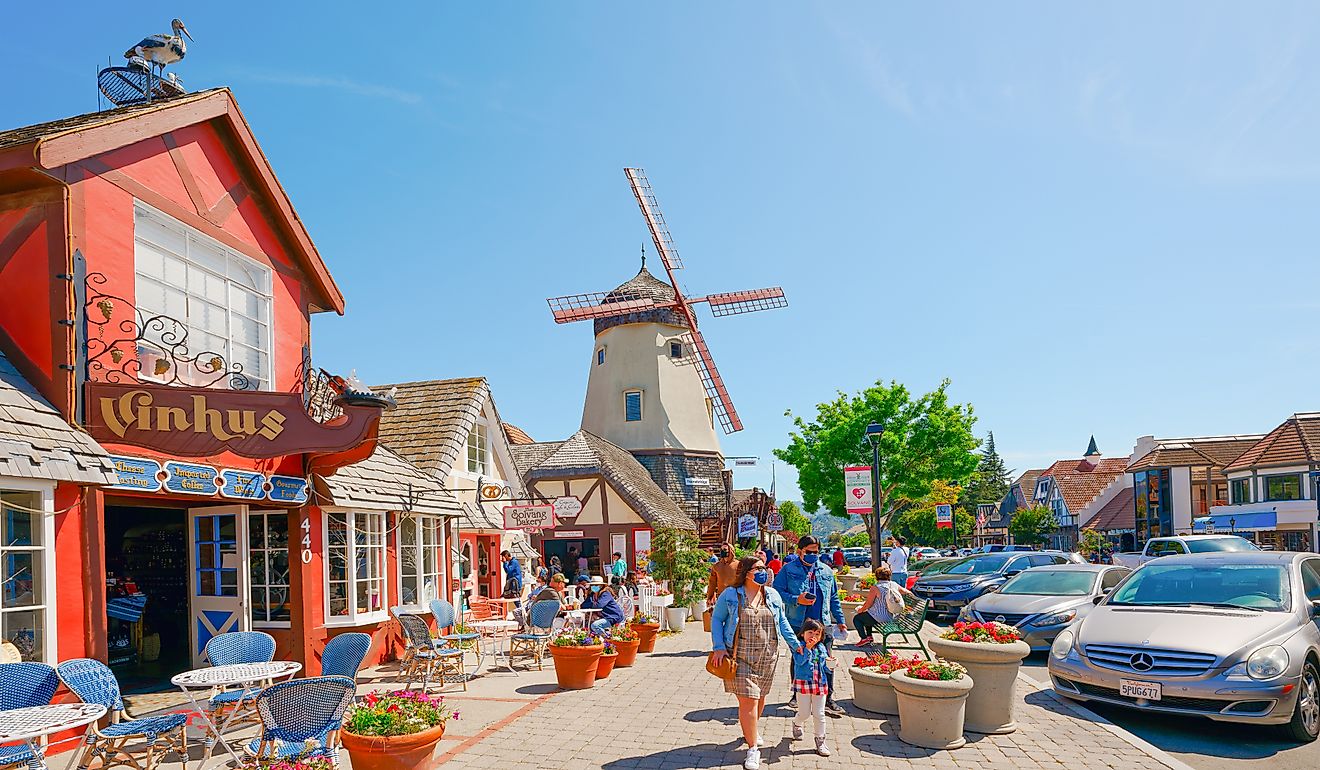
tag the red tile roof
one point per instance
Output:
(516, 435)
(1198, 453)
(1118, 513)
(1295, 442)
(1079, 481)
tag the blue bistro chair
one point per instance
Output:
(426, 655)
(532, 644)
(23, 685)
(445, 618)
(302, 718)
(93, 682)
(227, 650)
(343, 655)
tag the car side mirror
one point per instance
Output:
(991, 589)
(1012, 572)
(1098, 599)
(1315, 609)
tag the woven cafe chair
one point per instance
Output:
(93, 682)
(23, 685)
(445, 618)
(302, 718)
(426, 655)
(532, 644)
(229, 649)
(344, 653)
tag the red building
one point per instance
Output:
(156, 288)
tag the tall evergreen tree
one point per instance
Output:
(990, 482)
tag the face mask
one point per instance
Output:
(724, 554)
(761, 577)
(811, 558)
(596, 589)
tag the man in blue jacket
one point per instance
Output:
(809, 590)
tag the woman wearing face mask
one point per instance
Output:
(599, 597)
(752, 613)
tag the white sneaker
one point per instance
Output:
(753, 761)
(797, 732)
(821, 748)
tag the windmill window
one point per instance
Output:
(477, 450)
(632, 406)
(600, 356)
(675, 349)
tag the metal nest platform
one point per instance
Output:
(136, 84)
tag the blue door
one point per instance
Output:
(217, 549)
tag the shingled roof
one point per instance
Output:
(1196, 453)
(641, 286)
(387, 482)
(431, 423)
(1117, 514)
(1079, 481)
(36, 442)
(586, 454)
(1295, 442)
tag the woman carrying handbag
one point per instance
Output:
(746, 625)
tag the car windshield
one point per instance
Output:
(1051, 582)
(978, 565)
(939, 567)
(1226, 544)
(1247, 586)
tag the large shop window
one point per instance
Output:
(355, 569)
(477, 450)
(1154, 514)
(419, 559)
(221, 296)
(268, 553)
(1283, 487)
(24, 562)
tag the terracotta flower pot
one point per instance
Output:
(627, 653)
(872, 691)
(606, 665)
(994, 667)
(575, 667)
(646, 632)
(849, 612)
(393, 752)
(930, 713)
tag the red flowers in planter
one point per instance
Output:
(885, 664)
(982, 633)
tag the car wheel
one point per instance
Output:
(1305, 724)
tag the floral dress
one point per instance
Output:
(756, 651)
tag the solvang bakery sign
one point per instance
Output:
(200, 422)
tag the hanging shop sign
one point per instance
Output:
(857, 489)
(944, 516)
(242, 485)
(529, 517)
(774, 522)
(200, 422)
(287, 489)
(747, 526)
(567, 507)
(568, 533)
(492, 491)
(142, 474)
(137, 473)
(190, 479)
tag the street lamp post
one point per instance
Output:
(873, 433)
(1232, 525)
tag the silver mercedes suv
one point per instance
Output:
(1228, 636)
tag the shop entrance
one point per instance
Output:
(568, 552)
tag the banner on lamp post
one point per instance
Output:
(857, 489)
(944, 516)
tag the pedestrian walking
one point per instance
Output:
(513, 576)
(839, 559)
(619, 569)
(885, 600)
(748, 622)
(812, 593)
(898, 560)
(812, 665)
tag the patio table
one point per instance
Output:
(495, 630)
(35, 722)
(237, 674)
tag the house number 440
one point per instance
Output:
(306, 540)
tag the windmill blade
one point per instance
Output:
(655, 221)
(598, 304)
(738, 302)
(720, 402)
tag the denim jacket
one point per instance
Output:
(792, 581)
(807, 662)
(724, 618)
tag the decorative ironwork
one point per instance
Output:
(124, 344)
(319, 394)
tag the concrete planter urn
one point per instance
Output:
(849, 611)
(931, 712)
(994, 668)
(848, 581)
(698, 608)
(873, 691)
(675, 617)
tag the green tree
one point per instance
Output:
(834, 539)
(857, 540)
(926, 439)
(676, 556)
(989, 483)
(916, 523)
(1031, 526)
(793, 518)
(1091, 542)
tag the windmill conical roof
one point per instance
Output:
(642, 286)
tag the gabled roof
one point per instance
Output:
(1079, 481)
(1197, 453)
(58, 143)
(1118, 513)
(387, 482)
(1025, 487)
(586, 454)
(1295, 442)
(37, 443)
(432, 421)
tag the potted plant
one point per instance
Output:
(394, 731)
(867, 582)
(609, 657)
(677, 558)
(872, 690)
(577, 654)
(847, 578)
(850, 602)
(647, 626)
(626, 640)
(932, 699)
(992, 653)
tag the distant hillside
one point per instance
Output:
(822, 523)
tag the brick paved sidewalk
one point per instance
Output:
(667, 712)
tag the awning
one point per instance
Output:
(1248, 521)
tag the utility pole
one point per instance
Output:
(874, 432)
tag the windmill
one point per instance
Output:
(648, 300)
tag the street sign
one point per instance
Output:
(529, 517)
(1210, 527)
(567, 507)
(944, 516)
(857, 489)
(747, 526)
(746, 461)
(774, 522)
(694, 481)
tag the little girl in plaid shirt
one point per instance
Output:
(811, 662)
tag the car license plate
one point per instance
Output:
(1134, 688)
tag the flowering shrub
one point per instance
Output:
(885, 664)
(577, 637)
(939, 670)
(868, 580)
(644, 617)
(291, 763)
(402, 712)
(983, 633)
(844, 570)
(662, 592)
(852, 596)
(623, 633)
(609, 649)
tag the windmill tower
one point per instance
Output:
(654, 388)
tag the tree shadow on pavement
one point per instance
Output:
(700, 756)
(537, 689)
(683, 654)
(727, 715)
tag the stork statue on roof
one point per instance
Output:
(162, 49)
(654, 388)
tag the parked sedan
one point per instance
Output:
(968, 578)
(1043, 601)
(1229, 636)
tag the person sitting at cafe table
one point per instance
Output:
(554, 591)
(599, 597)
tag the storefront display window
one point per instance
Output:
(1287, 487)
(419, 559)
(24, 561)
(268, 554)
(355, 567)
(1154, 513)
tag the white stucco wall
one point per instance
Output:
(1180, 492)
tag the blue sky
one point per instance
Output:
(1093, 220)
